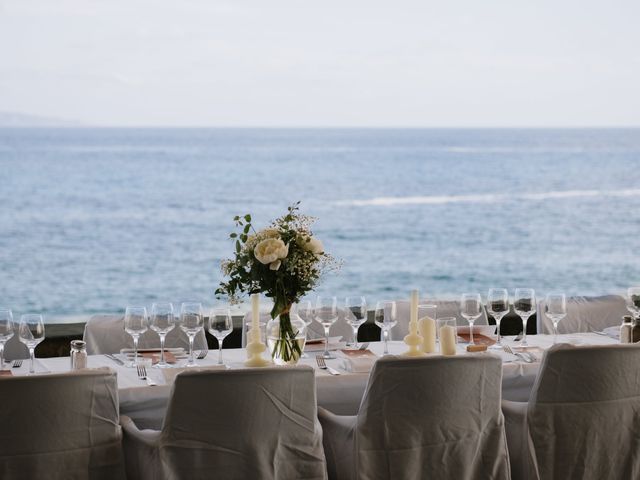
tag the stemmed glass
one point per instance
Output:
(31, 333)
(385, 318)
(162, 322)
(356, 315)
(555, 306)
(6, 332)
(498, 306)
(220, 325)
(524, 304)
(326, 314)
(191, 322)
(471, 309)
(135, 324)
(304, 311)
(633, 301)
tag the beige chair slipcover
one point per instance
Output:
(235, 424)
(586, 314)
(583, 418)
(14, 348)
(105, 334)
(436, 418)
(445, 308)
(60, 426)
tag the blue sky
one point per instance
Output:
(331, 63)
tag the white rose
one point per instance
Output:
(275, 265)
(269, 233)
(270, 250)
(311, 244)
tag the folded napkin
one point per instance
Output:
(317, 345)
(358, 361)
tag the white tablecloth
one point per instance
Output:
(340, 394)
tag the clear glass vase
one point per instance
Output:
(286, 336)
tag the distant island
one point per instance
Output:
(13, 119)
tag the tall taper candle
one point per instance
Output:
(414, 340)
(255, 346)
(414, 307)
(255, 310)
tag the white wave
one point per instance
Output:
(487, 198)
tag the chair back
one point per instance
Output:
(239, 424)
(14, 349)
(445, 308)
(105, 334)
(586, 314)
(437, 417)
(584, 413)
(61, 426)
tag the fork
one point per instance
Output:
(323, 366)
(16, 364)
(202, 354)
(142, 374)
(520, 355)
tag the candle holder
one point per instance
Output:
(413, 340)
(255, 348)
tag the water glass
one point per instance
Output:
(6, 331)
(191, 323)
(220, 325)
(555, 307)
(135, 324)
(31, 333)
(498, 307)
(385, 317)
(356, 315)
(326, 314)
(447, 335)
(471, 309)
(163, 321)
(524, 304)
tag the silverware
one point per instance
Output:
(142, 374)
(520, 355)
(114, 358)
(518, 337)
(322, 365)
(364, 346)
(202, 354)
(16, 364)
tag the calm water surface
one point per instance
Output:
(94, 219)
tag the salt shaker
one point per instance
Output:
(626, 329)
(78, 355)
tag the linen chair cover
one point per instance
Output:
(14, 348)
(235, 424)
(583, 418)
(435, 417)
(587, 314)
(105, 334)
(445, 308)
(61, 426)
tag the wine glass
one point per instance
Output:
(356, 315)
(220, 325)
(498, 307)
(135, 324)
(6, 331)
(163, 321)
(555, 306)
(633, 301)
(31, 333)
(191, 322)
(326, 314)
(524, 304)
(304, 311)
(471, 309)
(385, 318)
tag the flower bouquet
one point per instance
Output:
(284, 262)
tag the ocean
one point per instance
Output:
(92, 220)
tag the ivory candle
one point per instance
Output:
(447, 340)
(428, 334)
(255, 309)
(413, 318)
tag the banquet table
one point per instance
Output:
(340, 394)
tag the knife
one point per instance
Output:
(114, 358)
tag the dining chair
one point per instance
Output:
(233, 424)
(60, 426)
(435, 417)
(583, 417)
(105, 334)
(14, 349)
(586, 314)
